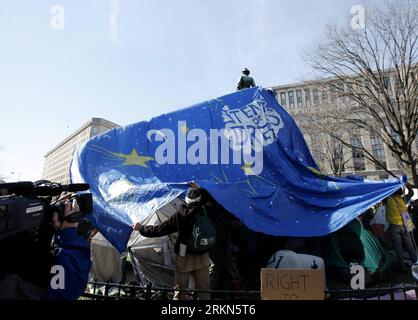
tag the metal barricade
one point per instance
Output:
(396, 292)
(112, 291)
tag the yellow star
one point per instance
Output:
(133, 159)
(247, 167)
(316, 172)
(334, 185)
(184, 129)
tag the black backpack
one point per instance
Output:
(203, 234)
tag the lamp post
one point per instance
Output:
(18, 175)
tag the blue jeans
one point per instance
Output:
(399, 236)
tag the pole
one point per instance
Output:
(18, 175)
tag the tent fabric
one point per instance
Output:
(354, 241)
(107, 262)
(266, 176)
(153, 257)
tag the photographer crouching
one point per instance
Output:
(71, 254)
(51, 261)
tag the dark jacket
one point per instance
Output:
(227, 226)
(73, 254)
(245, 82)
(182, 222)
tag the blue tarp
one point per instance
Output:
(266, 176)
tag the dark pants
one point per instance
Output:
(224, 270)
(399, 236)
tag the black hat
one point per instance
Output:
(194, 195)
(246, 71)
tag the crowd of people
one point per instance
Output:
(392, 222)
(219, 251)
(234, 262)
(214, 267)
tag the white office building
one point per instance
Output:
(304, 98)
(58, 159)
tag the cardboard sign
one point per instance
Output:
(279, 284)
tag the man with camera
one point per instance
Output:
(34, 267)
(71, 254)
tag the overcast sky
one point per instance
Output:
(129, 60)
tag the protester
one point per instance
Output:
(367, 217)
(379, 226)
(71, 252)
(413, 211)
(413, 208)
(396, 211)
(186, 262)
(250, 259)
(41, 269)
(245, 81)
(224, 269)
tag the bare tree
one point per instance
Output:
(327, 146)
(375, 70)
(340, 144)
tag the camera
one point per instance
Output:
(84, 202)
(25, 206)
(26, 226)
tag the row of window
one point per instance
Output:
(69, 146)
(308, 97)
(377, 148)
(359, 162)
(57, 164)
(62, 169)
(63, 178)
(60, 157)
(378, 151)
